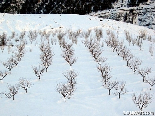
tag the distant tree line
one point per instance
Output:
(58, 6)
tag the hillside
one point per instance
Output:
(84, 54)
(142, 15)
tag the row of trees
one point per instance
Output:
(60, 6)
(95, 49)
(67, 89)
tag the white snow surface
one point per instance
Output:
(90, 98)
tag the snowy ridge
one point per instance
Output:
(90, 97)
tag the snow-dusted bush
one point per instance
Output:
(22, 35)
(98, 33)
(112, 41)
(128, 57)
(143, 34)
(134, 64)
(101, 60)
(38, 71)
(32, 35)
(25, 84)
(60, 37)
(86, 34)
(105, 72)
(68, 54)
(139, 42)
(3, 39)
(13, 90)
(67, 89)
(20, 52)
(46, 55)
(12, 62)
(142, 100)
(90, 43)
(120, 89)
(96, 52)
(71, 75)
(73, 35)
(128, 37)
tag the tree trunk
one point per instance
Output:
(109, 91)
(119, 95)
(143, 78)
(46, 69)
(13, 97)
(105, 81)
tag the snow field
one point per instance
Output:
(90, 98)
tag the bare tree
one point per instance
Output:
(139, 42)
(32, 35)
(46, 55)
(73, 35)
(120, 89)
(12, 62)
(22, 35)
(128, 57)
(3, 39)
(110, 85)
(100, 60)
(87, 33)
(96, 52)
(20, 52)
(38, 71)
(65, 90)
(144, 73)
(105, 73)
(70, 75)
(142, 100)
(128, 36)
(142, 34)
(98, 33)
(60, 37)
(134, 64)
(13, 90)
(25, 84)
(68, 54)
(13, 35)
(90, 44)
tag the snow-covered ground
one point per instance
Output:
(90, 98)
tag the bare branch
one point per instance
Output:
(142, 100)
